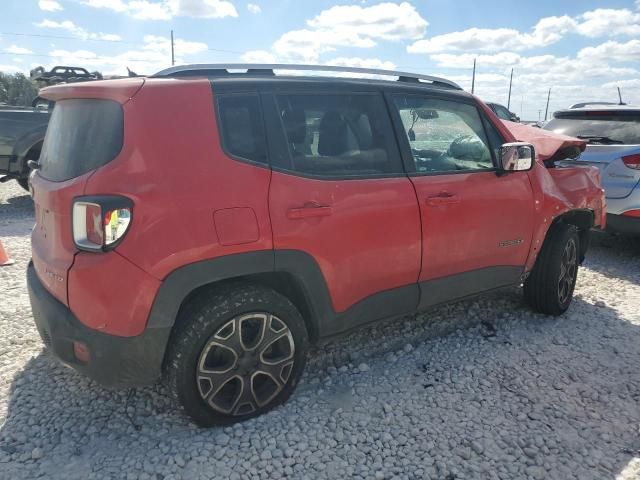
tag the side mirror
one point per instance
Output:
(517, 157)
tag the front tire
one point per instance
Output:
(549, 288)
(237, 353)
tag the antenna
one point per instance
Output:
(173, 58)
(546, 112)
(473, 78)
(510, 83)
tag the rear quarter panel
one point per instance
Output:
(173, 168)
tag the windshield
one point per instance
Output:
(82, 135)
(599, 127)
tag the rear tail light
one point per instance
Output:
(100, 222)
(632, 161)
(632, 213)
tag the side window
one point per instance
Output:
(341, 135)
(242, 127)
(502, 113)
(444, 135)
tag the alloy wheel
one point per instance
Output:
(568, 271)
(245, 364)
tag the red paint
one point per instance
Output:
(236, 226)
(110, 294)
(369, 243)
(192, 202)
(465, 216)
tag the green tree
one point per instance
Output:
(17, 89)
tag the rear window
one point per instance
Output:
(599, 127)
(242, 127)
(82, 135)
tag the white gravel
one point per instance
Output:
(481, 389)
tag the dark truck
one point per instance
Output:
(22, 129)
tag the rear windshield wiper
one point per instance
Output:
(599, 139)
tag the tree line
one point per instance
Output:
(17, 89)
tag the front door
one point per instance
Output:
(476, 225)
(339, 194)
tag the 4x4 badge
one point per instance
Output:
(510, 243)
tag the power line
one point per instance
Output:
(81, 38)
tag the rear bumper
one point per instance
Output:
(622, 224)
(114, 361)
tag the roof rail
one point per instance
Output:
(222, 69)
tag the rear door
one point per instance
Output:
(476, 226)
(83, 134)
(339, 193)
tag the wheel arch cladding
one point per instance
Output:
(584, 221)
(297, 277)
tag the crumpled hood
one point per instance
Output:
(549, 146)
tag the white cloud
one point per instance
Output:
(153, 55)
(74, 29)
(182, 47)
(49, 5)
(347, 26)
(11, 69)
(389, 21)
(253, 8)
(258, 56)
(609, 22)
(546, 32)
(611, 50)
(549, 30)
(362, 63)
(167, 9)
(16, 50)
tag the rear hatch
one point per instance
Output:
(611, 136)
(86, 131)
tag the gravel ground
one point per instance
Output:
(481, 389)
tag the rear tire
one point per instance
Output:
(237, 352)
(549, 287)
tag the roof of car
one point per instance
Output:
(265, 73)
(598, 107)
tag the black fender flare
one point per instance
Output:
(180, 283)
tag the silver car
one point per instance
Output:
(613, 136)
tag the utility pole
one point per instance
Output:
(546, 112)
(473, 78)
(510, 83)
(173, 58)
(539, 113)
(620, 97)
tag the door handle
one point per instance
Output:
(311, 209)
(443, 198)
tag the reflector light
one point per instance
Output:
(632, 213)
(81, 352)
(632, 161)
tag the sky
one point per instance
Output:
(581, 50)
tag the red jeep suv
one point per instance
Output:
(205, 225)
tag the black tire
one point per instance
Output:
(549, 287)
(24, 183)
(202, 334)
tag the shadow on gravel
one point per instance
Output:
(17, 205)
(564, 386)
(621, 251)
